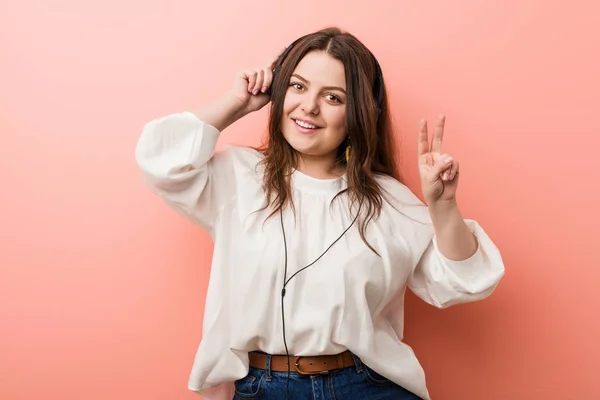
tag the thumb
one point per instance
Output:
(443, 163)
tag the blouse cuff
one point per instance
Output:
(480, 271)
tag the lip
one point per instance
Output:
(303, 130)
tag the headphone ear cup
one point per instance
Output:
(378, 89)
(376, 106)
(269, 91)
(276, 72)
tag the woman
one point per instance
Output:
(315, 237)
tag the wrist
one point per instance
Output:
(222, 112)
(442, 206)
(233, 107)
(455, 239)
(444, 213)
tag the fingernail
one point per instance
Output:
(255, 91)
(264, 89)
(448, 160)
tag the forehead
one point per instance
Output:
(319, 68)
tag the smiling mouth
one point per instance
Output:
(304, 124)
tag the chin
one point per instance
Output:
(300, 145)
(296, 139)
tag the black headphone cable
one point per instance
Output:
(286, 281)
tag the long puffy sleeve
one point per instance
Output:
(176, 155)
(442, 282)
(434, 278)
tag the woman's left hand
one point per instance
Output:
(439, 171)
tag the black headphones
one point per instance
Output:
(377, 87)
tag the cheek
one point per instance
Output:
(336, 118)
(336, 126)
(290, 103)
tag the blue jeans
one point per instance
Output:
(352, 383)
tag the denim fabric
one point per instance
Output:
(352, 383)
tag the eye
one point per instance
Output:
(296, 85)
(333, 98)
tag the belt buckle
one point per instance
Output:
(297, 365)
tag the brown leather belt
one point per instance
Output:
(304, 365)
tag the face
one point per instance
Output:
(314, 109)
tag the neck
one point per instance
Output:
(321, 167)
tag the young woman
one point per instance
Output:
(315, 237)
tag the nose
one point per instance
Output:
(309, 104)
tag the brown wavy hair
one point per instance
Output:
(370, 135)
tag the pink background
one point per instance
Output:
(102, 286)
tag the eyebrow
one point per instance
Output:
(326, 88)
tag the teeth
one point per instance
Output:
(305, 124)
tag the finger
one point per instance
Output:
(259, 82)
(423, 146)
(453, 171)
(268, 79)
(251, 76)
(443, 166)
(438, 135)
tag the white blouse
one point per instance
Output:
(351, 299)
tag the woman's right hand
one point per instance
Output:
(248, 94)
(250, 87)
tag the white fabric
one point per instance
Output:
(350, 299)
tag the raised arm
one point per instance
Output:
(460, 262)
(176, 153)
